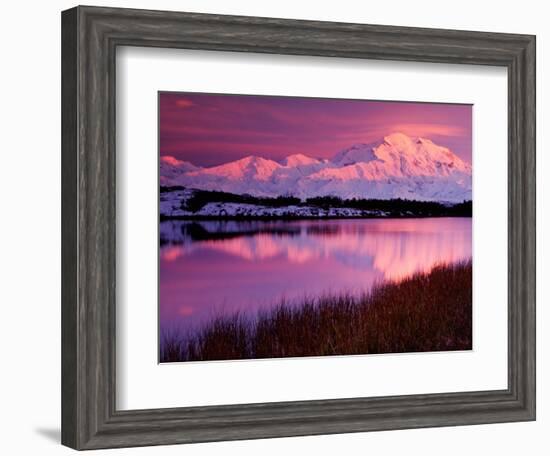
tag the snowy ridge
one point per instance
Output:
(297, 160)
(398, 166)
(171, 168)
(172, 205)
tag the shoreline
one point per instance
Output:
(423, 312)
(163, 218)
(184, 203)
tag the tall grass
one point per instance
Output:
(424, 312)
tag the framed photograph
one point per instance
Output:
(366, 250)
(278, 228)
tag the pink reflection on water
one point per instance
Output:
(185, 311)
(171, 253)
(254, 270)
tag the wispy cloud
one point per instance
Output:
(430, 129)
(184, 103)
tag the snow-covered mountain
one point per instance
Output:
(399, 166)
(171, 168)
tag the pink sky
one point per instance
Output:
(210, 129)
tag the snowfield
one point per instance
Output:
(398, 166)
(171, 206)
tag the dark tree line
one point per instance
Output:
(393, 207)
(170, 188)
(202, 197)
(403, 206)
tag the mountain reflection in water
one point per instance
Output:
(208, 267)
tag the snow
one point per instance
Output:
(398, 166)
(299, 160)
(171, 169)
(358, 153)
(171, 161)
(171, 204)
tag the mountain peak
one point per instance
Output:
(357, 153)
(249, 159)
(255, 161)
(244, 168)
(299, 160)
(418, 157)
(398, 139)
(171, 168)
(171, 160)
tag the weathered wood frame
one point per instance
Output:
(90, 36)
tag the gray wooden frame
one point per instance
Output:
(90, 36)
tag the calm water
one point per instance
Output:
(208, 267)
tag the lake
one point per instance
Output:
(221, 266)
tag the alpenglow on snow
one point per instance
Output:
(398, 166)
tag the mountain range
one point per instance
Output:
(398, 166)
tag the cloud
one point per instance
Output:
(428, 129)
(184, 103)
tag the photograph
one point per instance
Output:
(294, 226)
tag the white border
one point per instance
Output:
(142, 383)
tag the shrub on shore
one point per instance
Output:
(424, 312)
